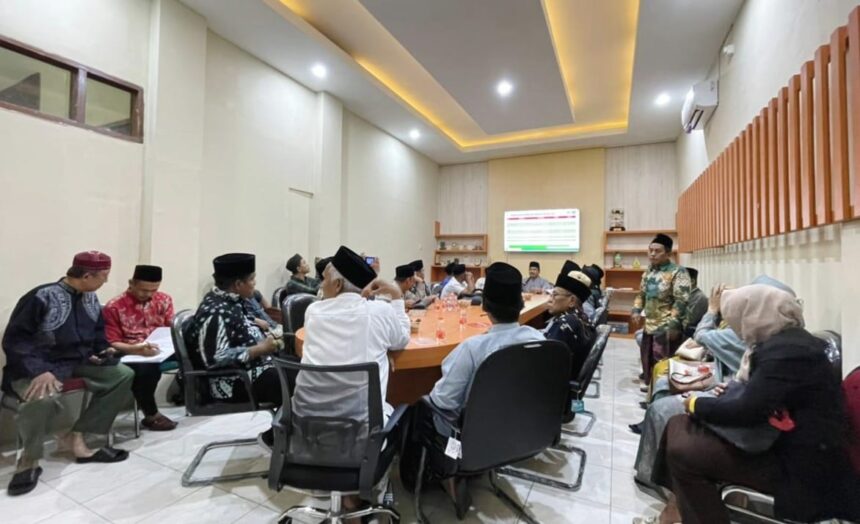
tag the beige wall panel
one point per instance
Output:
(463, 198)
(642, 180)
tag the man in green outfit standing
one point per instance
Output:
(662, 304)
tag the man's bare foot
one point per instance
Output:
(79, 446)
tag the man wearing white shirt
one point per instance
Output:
(346, 328)
(462, 282)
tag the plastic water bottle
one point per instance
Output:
(577, 406)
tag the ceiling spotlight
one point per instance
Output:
(319, 71)
(663, 99)
(415, 134)
(504, 88)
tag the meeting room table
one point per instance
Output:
(436, 331)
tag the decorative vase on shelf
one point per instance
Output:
(442, 246)
(617, 261)
(636, 264)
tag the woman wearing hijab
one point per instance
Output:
(786, 371)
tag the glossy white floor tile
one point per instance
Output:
(146, 488)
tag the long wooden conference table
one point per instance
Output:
(417, 367)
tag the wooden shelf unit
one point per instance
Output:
(480, 240)
(631, 245)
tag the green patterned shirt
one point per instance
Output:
(662, 298)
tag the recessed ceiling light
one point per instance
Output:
(504, 88)
(319, 71)
(415, 134)
(663, 99)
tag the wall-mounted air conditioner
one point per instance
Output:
(701, 101)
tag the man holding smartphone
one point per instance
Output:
(56, 333)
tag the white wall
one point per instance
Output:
(642, 181)
(772, 39)
(389, 193)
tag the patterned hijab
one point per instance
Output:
(757, 312)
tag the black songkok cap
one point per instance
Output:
(458, 269)
(576, 282)
(146, 273)
(294, 262)
(663, 239)
(353, 267)
(321, 264)
(404, 272)
(234, 265)
(694, 273)
(568, 266)
(449, 269)
(534, 264)
(503, 284)
(418, 265)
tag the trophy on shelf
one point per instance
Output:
(616, 220)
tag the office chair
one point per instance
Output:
(330, 439)
(199, 402)
(512, 413)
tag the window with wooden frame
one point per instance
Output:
(54, 88)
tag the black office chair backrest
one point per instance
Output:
(833, 349)
(514, 404)
(178, 327)
(278, 295)
(601, 316)
(293, 309)
(592, 360)
(332, 420)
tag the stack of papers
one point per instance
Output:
(161, 336)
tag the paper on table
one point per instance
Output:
(161, 336)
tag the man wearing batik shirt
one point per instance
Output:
(569, 324)
(662, 302)
(223, 334)
(129, 320)
(55, 336)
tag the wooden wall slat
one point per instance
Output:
(773, 200)
(839, 126)
(793, 164)
(749, 183)
(823, 191)
(782, 160)
(853, 70)
(762, 174)
(742, 182)
(755, 182)
(807, 146)
(732, 193)
(736, 193)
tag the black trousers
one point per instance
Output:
(422, 433)
(146, 377)
(267, 388)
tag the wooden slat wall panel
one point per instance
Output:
(839, 126)
(807, 146)
(762, 174)
(754, 179)
(772, 200)
(793, 164)
(796, 165)
(748, 184)
(853, 70)
(823, 192)
(782, 160)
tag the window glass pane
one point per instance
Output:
(34, 84)
(108, 107)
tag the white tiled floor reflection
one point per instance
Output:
(146, 488)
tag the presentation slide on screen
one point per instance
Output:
(542, 231)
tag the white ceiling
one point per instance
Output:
(676, 43)
(468, 47)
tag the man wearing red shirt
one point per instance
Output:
(129, 319)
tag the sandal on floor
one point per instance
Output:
(24, 481)
(106, 455)
(158, 423)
